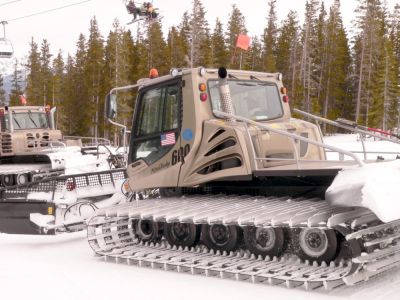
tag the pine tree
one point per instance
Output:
(67, 121)
(93, 72)
(336, 85)
(270, 37)
(320, 59)
(16, 85)
(176, 49)
(157, 49)
(307, 65)
(287, 60)
(218, 48)
(394, 39)
(80, 103)
(45, 73)
(58, 84)
(34, 87)
(185, 34)
(367, 54)
(2, 92)
(254, 56)
(200, 50)
(236, 26)
(124, 62)
(139, 59)
(384, 96)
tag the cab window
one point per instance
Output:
(157, 126)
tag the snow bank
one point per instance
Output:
(375, 186)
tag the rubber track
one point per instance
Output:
(111, 236)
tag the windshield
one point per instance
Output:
(27, 120)
(253, 100)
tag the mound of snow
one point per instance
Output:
(375, 186)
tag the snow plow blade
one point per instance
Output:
(15, 216)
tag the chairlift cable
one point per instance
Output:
(9, 2)
(48, 10)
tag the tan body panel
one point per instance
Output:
(221, 150)
(25, 141)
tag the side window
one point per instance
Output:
(150, 112)
(156, 129)
(171, 108)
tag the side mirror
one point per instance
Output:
(111, 106)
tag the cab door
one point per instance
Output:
(155, 137)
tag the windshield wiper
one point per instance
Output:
(30, 117)
(247, 84)
(254, 77)
(15, 120)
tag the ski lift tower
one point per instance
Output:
(6, 47)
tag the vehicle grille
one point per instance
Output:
(6, 144)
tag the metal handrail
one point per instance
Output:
(57, 144)
(292, 136)
(98, 140)
(360, 131)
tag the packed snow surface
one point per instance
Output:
(64, 267)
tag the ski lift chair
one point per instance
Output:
(6, 48)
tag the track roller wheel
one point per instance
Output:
(316, 244)
(264, 241)
(182, 234)
(8, 180)
(147, 230)
(221, 237)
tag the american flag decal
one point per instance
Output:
(168, 139)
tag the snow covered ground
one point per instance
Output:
(64, 267)
(351, 142)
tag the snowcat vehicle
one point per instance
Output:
(225, 182)
(50, 183)
(32, 148)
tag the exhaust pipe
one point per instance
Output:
(225, 93)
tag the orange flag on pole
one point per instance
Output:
(243, 41)
(22, 99)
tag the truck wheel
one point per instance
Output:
(221, 237)
(147, 230)
(264, 241)
(316, 244)
(182, 234)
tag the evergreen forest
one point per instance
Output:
(329, 70)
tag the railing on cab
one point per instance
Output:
(361, 132)
(294, 137)
(89, 141)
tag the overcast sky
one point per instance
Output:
(61, 28)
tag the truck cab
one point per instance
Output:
(178, 138)
(26, 129)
